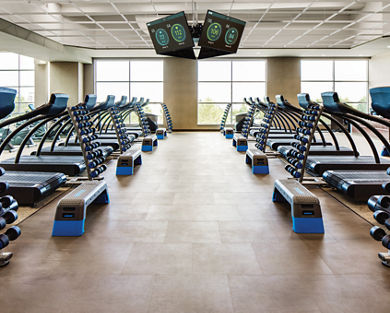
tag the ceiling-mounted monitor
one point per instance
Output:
(220, 32)
(171, 36)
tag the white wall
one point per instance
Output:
(379, 71)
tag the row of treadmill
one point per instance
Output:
(31, 177)
(286, 128)
(72, 151)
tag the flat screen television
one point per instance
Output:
(220, 32)
(171, 36)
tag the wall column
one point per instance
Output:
(67, 77)
(284, 78)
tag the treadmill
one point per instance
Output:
(292, 115)
(317, 165)
(64, 125)
(27, 188)
(304, 102)
(69, 165)
(360, 185)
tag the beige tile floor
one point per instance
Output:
(193, 231)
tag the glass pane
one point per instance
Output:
(8, 61)
(249, 70)
(214, 92)
(146, 70)
(155, 108)
(151, 91)
(9, 78)
(210, 113)
(116, 89)
(237, 109)
(352, 92)
(23, 107)
(314, 89)
(27, 78)
(351, 70)
(26, 63)
(241, 90)
(26, 95)
(316, 70)
(109, 70)
(363, 106)
(214, 71)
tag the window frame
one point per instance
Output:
(19, 70)
(130, 81)
(231, 82)
(334, 81)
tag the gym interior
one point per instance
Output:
(172, 156)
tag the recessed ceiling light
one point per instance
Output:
(388, 46)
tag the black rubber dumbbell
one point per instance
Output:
(11, 234)
(9, 203)
(380, 235)
(381, 216)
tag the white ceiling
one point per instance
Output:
(270, 24)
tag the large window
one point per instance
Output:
(226, 81)
(131, 78)
(17, 72)
(349, 78)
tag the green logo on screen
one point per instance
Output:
(231, 36)
(214, 31)
(162, 37)
(178, 32)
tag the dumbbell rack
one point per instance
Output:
(380, 205)
(8, 215)
(120, 130)
(297, 156)
(224, 116)
(167, 117)
(142, 119)
(248, 121)
(85, 133)
(266, 124)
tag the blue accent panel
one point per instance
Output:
(7, 100)
(68, 228)
(160, 136)
(260, 169)
(242, 148)
(229, 136)
(385, 152)
(147, 148)
(103, 198)
(308, 225)
(380, 100)
(124, 170)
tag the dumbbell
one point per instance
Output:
(301, 138)
(304, 131)
(293, 171)
(381, 201)
(382, 217)
(9, 203)
(298, 146)
(11, 234)
(92, 146)
(3, 186)
(295, 163)
(380, 235)
(295, 154)
(98, 170)
(309, 118)
(89, 138)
